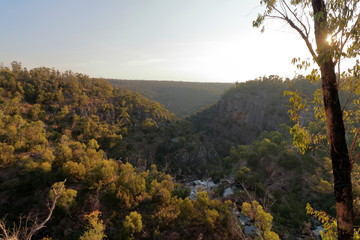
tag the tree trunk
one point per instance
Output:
(336, 131)
(339, 153)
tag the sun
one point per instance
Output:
(329, 39)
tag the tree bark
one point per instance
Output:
(341, 163)
(339, 153)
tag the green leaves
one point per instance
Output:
(329, 224)
(305, 64)
(132, 224)
(314, 76)
(67, 196)
(301, 138)
(95, 228)
(298, 104)
(262, 219)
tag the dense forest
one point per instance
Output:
(70, 140)
(92, 161)
(181, 98)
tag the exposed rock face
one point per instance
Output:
(261, 112)
(243, 113)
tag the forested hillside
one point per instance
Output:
(66, 140)
(181, 98)
(250, 128)
(99, 161)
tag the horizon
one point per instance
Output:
(154, 80)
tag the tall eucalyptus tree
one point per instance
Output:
(331, 31)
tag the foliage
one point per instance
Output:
(132, 224)
(272, 171)
(56, 126)
(262, 220)
(67, 196)
(104, 141)
(328, 223)
(95, 229)
(6, 154)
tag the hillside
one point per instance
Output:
(103, 155)
(180, 98)
(87, 150)
(77, 144)
(248, 109)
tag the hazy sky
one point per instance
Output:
(184, 40)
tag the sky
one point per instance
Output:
(182, 40)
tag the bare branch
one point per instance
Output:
(306, 31)
(6, 234)
(37, 227)
(356, 25)
(304, 34)
(4, 230)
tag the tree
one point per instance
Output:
(262, 220)
(335, 26)
(95, 228)
(67, 196)
(132, 224)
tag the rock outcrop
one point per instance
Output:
(244, 112)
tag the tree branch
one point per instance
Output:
(51, 208)
(303, 35)
(297, 19)
(306, 39)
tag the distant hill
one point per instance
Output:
(181, 98)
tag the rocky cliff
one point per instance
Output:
(246, 110)
(259, 111)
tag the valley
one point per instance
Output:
(181, 98)
(126, 166)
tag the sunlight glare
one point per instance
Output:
(329, 39)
